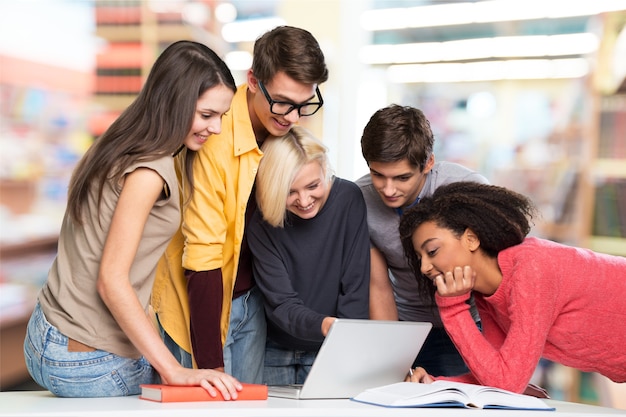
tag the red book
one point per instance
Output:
(176, 393)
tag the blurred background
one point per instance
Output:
(532, 94)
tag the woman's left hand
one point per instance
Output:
(459, 281)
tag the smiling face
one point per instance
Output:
(280, 88)
(309, 191)
(440, 250)
(398, 183)
(207, 118)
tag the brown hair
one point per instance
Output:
(396, 132)
(292, 50)
(156, 122)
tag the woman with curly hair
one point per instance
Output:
(536, 298)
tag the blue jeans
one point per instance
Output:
(182, 356)
(286, 366)
(80, 374)
(244, 350)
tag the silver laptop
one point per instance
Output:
(359, 354)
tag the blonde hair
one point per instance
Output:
(283, 157)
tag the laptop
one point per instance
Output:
(358, 354)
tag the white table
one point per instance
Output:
(43, 403)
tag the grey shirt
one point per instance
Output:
(383, 222)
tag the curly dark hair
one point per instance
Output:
(499, 217)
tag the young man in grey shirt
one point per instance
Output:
(397, 144)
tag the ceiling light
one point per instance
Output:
(483, 12)
(249, 30)
(225, 13)
(488, 71)
(484, 48)
(238, 60)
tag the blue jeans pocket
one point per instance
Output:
(107, 376)
(78, 386)
(80, 374)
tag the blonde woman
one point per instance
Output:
(310, 246)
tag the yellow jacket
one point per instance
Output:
(213, 221)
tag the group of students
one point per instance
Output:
(208, 242)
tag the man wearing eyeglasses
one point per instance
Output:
(207, 305)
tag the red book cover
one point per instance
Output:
(176, 393)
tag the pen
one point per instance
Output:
(411, 371)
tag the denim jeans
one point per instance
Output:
(286, 366)
(80, 374)
(244, 350)
(182, 356)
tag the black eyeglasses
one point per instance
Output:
(283, 108)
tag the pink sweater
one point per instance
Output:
(558, 302)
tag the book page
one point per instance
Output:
(410, 394)
(447, 394)
(491, 397)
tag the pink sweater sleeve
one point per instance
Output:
(555, 301)
(504, 355)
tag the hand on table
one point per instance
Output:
(210, 379)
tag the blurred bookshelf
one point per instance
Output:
(599, 194)
(584, 193)
(133, 34)
(129, 30)
(608, 233)
(605, 181)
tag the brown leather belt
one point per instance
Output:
(76, 346)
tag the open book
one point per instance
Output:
(448, 394)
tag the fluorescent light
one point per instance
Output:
(171, 6)
(238, 60)
(225, 13)
(521, 69)
(196, 13)
(485, 48)
(249, 30)
(483, 12)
